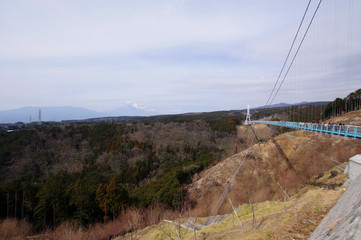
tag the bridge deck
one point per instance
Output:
(340, 130)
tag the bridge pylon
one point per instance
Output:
(248, 117)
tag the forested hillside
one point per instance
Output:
(90, 172)
(347, 104)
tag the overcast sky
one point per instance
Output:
(172, 56)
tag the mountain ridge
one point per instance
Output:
(60, 113)
(282, 105)
(69, 113)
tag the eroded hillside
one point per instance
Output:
(351, 118)
(289, 159)
(295, 218)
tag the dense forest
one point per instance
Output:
(340, 106)
(90, 172)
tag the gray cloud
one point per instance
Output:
(172, 56)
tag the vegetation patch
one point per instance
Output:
(88, 173)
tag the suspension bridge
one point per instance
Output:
(333, 129)
(325, 128)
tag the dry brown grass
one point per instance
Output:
(309, 205)
(351, 118)
(290, 159)
(67, 230)
(14, 229)
(129, 221)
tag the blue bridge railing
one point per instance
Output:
(334, 129)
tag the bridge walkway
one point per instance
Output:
(333, 129)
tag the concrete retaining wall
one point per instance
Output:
(354, 168)
(344, 219)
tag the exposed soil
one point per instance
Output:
(351, 118)
(289, 159)
(246, 136)
(294, 219)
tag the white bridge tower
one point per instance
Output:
(248, 117)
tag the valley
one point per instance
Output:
(125, 177)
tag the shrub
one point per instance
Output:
(14, 229)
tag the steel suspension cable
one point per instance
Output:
(289, 52)
(298, 49)
(225, 192)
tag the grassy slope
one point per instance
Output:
(351, 118)
(246, 136)
(303, 213)
(289, 159)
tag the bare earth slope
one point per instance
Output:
(289, 159)
(295, 219)
(245, 134)
(351, 118)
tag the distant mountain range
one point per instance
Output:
(75, 113)
(282, 105)
(27, 114)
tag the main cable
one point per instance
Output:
(215, 209)
(289, 52)
(298, 49)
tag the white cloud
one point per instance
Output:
(68, 29)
